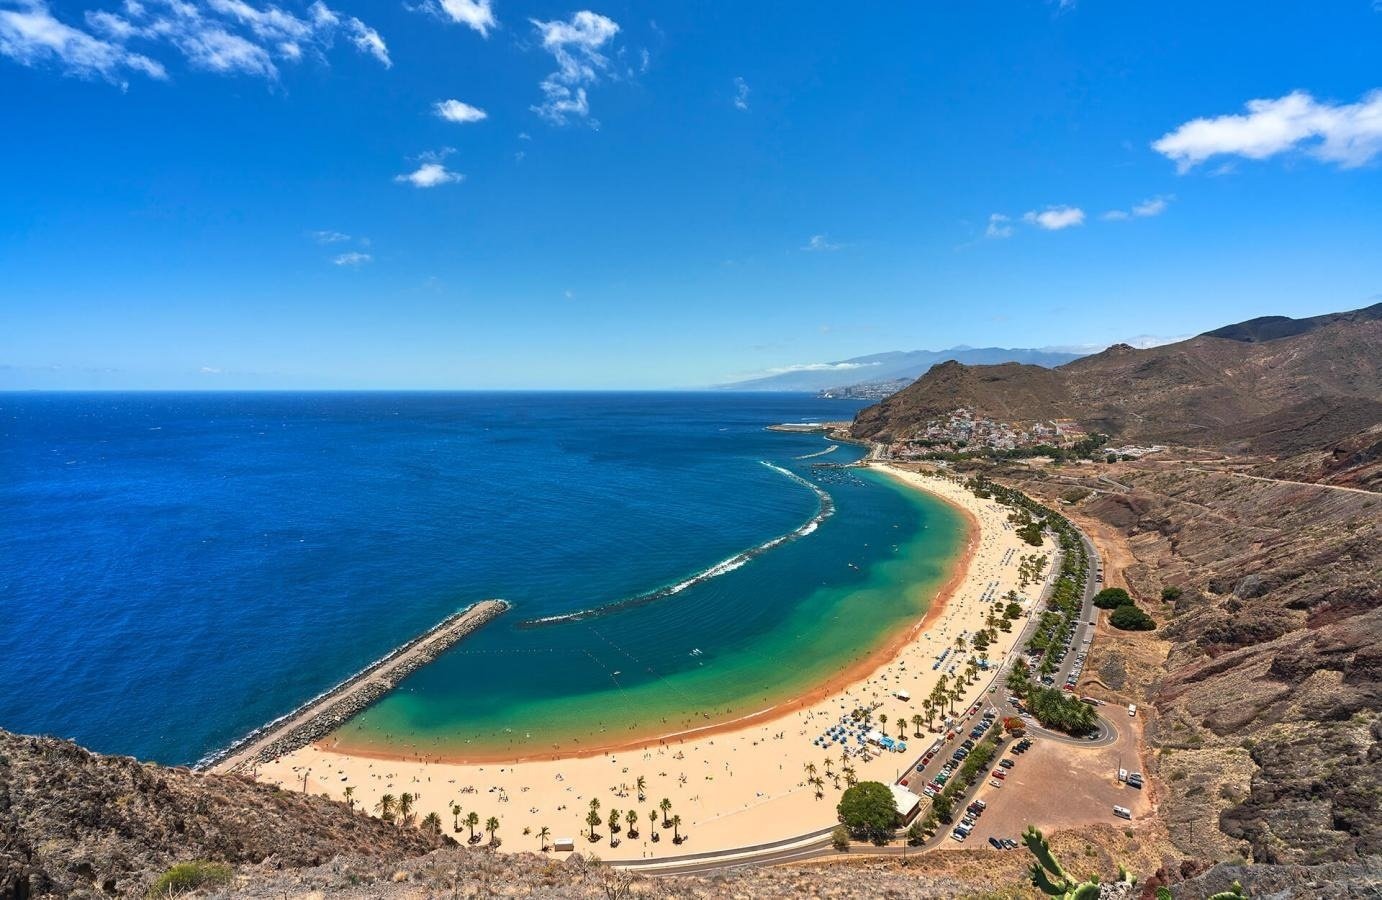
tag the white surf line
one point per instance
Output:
(831, 449)
(825, 510)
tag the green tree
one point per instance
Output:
(350, 796)
(632, 818)
(1111, 598)
(666, 806)
(431, 823)
(916, 835)
(641, 785)
(385, 807)
(405, 808)
(676, 824)
(868, 811)
(652, 824)
(614, 821)
(492, 826)
(1131, 618)
(543, 834)
(917, 721)
(1170, 594)
(839, 838)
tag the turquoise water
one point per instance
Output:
(181, 568)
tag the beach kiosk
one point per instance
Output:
(906, 802)
(903, 696)
(564, 844)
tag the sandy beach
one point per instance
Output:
(733, 784)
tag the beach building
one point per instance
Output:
(564, 844)
(906, 802)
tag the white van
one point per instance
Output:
(1132, 709)
(1123, 812)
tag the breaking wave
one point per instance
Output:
(724, 566)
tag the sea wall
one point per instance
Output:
(328, 711)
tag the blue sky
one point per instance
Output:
(228, 193)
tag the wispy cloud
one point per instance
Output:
(476, 14)
(1055, 218)
(578, 46)
(999, 226)
(819, 367)
(1147, 209)
(31, 36)
(819, 243)
(741, 94)
(1348, 135)
(220, 36)
(352, 259)
(456, 111)
(330, 237)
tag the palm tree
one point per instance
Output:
(385, 807)
(632, 818)
(542, 835)
(916, 723)
(829, 764)
(901, 727)
(652, 823)
(431, 823)
(928, 706)
(405, 808)
(455, 816)
(471, 820)
(666, 806)
(960, 643)
(614, 821)
(350, 796)
(810, 771)
(883, 720)
(492, 826)
(642, 786)
(676, 824)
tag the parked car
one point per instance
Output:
(996, 843)
(1123, 812)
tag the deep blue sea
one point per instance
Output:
(178, 569)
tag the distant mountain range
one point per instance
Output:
(1274, 384)
(894, 369)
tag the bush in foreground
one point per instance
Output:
(868, 811)
(1131, 618)
(190, 876)
(1111, 598)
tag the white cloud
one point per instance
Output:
(330, 237)
(430, 174)
(820, 367)
(222, 36)
(578, 47)
(1154, 206)
(741, 94)
(353, 259)
(456, 111)
(1055, 218)
(819, 243)
(1000, 226)
(1348, 135)
(476, 14)
(31, 36)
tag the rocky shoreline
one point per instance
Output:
(327, 712)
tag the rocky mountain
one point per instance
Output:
(73, 822)
(1275, 384)
(1268, 698)
(883, 368)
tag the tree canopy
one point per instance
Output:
(868, 811)
(1131, 618)
(1111, 598)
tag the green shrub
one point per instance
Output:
(189, 876)
(1131, 618)
(1111, 598)
(839, 838)
(1171, 593)
(1057, 709)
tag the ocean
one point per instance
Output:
(178, 569)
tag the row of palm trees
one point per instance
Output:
(630, 817)
(401, 809)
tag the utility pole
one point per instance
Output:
(304, 780)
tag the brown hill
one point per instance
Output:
(1274, 384)
(76, 822)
